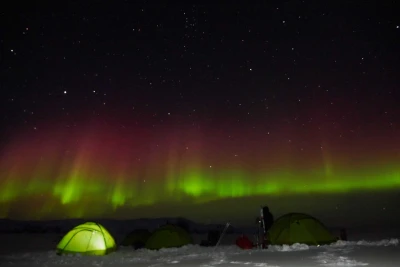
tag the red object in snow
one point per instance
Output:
(244, 242)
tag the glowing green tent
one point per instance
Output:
(89, 238)
(168, 236)
(136, 238)
(299, 228)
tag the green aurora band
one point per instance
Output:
(199, 184)
(42, 173)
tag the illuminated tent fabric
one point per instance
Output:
(299, 228)
(136, 238)
(89, 238)
(168, 236)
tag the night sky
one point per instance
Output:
(136, 109)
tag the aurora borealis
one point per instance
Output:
(119, 167)
(201, 111)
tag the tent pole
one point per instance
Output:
(222, 235)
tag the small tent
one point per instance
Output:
(136, 238)
(89, 238)
(299, 228)
(168, 236)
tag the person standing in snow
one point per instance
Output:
(268, 220)
(265, 222)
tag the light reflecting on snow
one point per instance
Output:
(341, 253)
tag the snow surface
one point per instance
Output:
(38, 250)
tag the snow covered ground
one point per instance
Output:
(25, 249)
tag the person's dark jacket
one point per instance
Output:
(268, 218)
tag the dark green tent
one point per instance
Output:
(299, 228)
(168, 236)
(136, 238)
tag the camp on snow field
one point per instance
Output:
(89, 238)
(93, 239)
(299, 228)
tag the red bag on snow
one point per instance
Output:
(244, 242)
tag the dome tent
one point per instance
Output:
(89, 238)
(299, 228)
(137, 238)
(168, 236)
